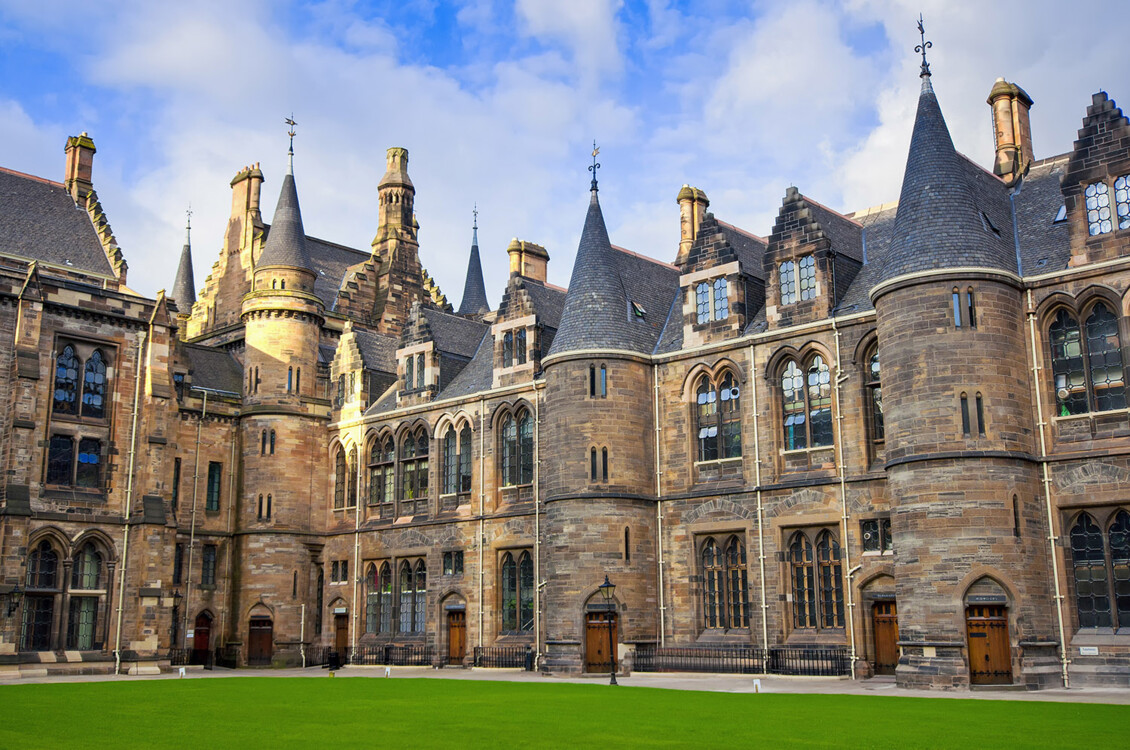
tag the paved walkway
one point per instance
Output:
(672, 681)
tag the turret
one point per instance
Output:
(184, 287)
(474, 300)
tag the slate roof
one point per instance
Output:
(477, 376)
(330, 261)
(844, 233)
(1043, 243)
(474, 290)
(749, 247)
(597, 313)
(377, 349)
(214, 368)
(39, 221)
(939, 223)
(548, 302)
(184, 288)
(454, 334)
(286, 240)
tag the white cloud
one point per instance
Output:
(587, 28)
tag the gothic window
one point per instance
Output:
(1122, 201)
(409, 374)
(39, 602)
(970, 308)
(592, 464)
(517, 593)
(60, 459)
(712, 595)
(268, 506)
(263, 443)
(66, 382)
(965, 415)
(339, 479)
(807, 278)
(174, 494)
(718, 418)
(787, 273)
(289, 379)
(603, 381)
(43, 567)
(737, 584)
(1102, 571)
(465, 459)
(178, 564)
(413, 597)
(807, 404)
(259, 509)
(817, 584)
(525, 448)
(384, 602)
(604, 464)
(517, 449)
(94, 386)
(725, 584)
(508, 349)
(450, 462)
(702, 302)
(272, 451)
(509, 451)
(351, 480)
(721, 299)
(414, 473)
(831, 581)
(420, 370)
(803, 584)
(1087, 371)
(421, 598)
(874, 398)
(382, 476)
(82, 620)
(208, 566)
(1097, 196)
(372, 599)
(87, 570)
(88, 471)
(520, 346)
(956, 298)
(212, 501)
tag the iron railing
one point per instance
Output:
(227, 657)
(784, 660)
(504, 657)
(386, 655)
(183, 657)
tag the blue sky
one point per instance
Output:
(498, 103)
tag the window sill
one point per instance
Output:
(1088, 415)
(67, 492)
(719, 461)
(206, 587)
(804, 451)
(878, 553)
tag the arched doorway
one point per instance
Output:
(455, 622)
(986, 628)
(260, 641)
(201, 638)
(885, 625)
(601, 630)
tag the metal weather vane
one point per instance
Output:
(595, 164)
(923, 47)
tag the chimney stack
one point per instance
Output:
(1012, 130)
(80, 161)
(528, 260)
(692, 207)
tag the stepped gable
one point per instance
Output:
(1044, 242)
(1104, 139)
(214, 368)
(474, 300)
(711, 247)
(41, 222)
(939, 223)
(286, 240)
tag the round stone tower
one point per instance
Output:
(283, 440)
(599, 478)
(967, 525)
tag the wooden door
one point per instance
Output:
(884, 618)
(260, 637)
(201, 638)
(456, 637)
(597, 653)
(341, 633)
(990, 659)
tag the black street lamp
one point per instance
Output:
(14, 597)
(607, 589)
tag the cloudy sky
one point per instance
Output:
(498, 103)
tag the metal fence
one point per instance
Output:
(783, 660)
(504, 657)
(387, 655)
(183, 657)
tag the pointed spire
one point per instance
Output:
(286, 241)
(290, 154)
(595, 314)
(474, 299)
(184, 288)
(939, 222)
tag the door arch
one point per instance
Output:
(260, 641)
(201, 638)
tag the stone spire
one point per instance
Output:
(474, 290)
(286, 242)
(184, 288)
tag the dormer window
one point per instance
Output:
(787, 273)
(721, 299)
(520, 346)
(807, 278)
(637, 311)
(514, 348)
(706, 292)
(702, 302)
(420, 370)
(1122, 201)
(1061, 215)
(409, 372)
(1098, 208)
(508, 349)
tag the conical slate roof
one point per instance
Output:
(939, 224)
(595, 315)
(184, 288)
(286, 242)
(474, 290)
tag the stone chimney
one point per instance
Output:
(245, 187)
(1012, 130)
(80, 160)
(527, 260)
(692, 207)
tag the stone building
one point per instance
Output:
(889, 441)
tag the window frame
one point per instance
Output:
(799, 372)
(717, 413)
(214, 487)
(725, 582)
(815, 582)
(1115, 572)
(1075, 391)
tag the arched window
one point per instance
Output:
(87, 571)
(409, 374)
(713, 582)
(289, 379)
(517, 593)
(465, 459)
(508, 349)
(525, 448)
(372, 599)
(807, 404)
(414, 473)
(874, 398)
(420, 600)
(351, 481)
(66, 382)
(272, 442)
(525, 592)
(339, 479)
(382, 476)
(509, 451)
(831, 581)
(604, 464)
(86, 575)
(721, 299)
(1087, 372)
(407, 593)
(39, 602)
(450, 462)
(725, 584)
(43, 567)
(263, 443)
(592, 464)
(707, 416)
(268, 506)
(803, 584)
(88, 471)
(603, 381)
(737, 584)
(385, 600)
(520, 346)
(729, 397)
(1092, 590)
(702, 302)
(94, 386)
(420, 370)
(259, 511)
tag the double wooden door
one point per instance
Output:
(598, 655)
(260, 641)
(990, 660)
(456, 637)
(884, 618)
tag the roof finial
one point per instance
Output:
(188, 225)
(922, 48)
(290, 154)
(595, 166)
(475, 238)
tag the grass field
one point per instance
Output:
(249, 712)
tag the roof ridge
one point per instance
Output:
(833, 211)
(741, 231)
(641, 256)
(44, 180)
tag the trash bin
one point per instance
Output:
(529, 662)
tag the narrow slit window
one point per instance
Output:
(592, 463)
(627, 544)
(259, 515)
(592, 381)
(268, 507)
(964, 415)
(298, 380)
(970, 308)
(604, 464)
(263, 443)
(603, 381)
(956, 308)
(1015, 516)
(289, 379)
(980, 415)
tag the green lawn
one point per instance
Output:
(314, 712)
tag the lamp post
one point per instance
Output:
(176, 616)
(607, 589)
(14, 597)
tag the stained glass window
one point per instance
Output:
(66, 382)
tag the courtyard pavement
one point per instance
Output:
(672, 681)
